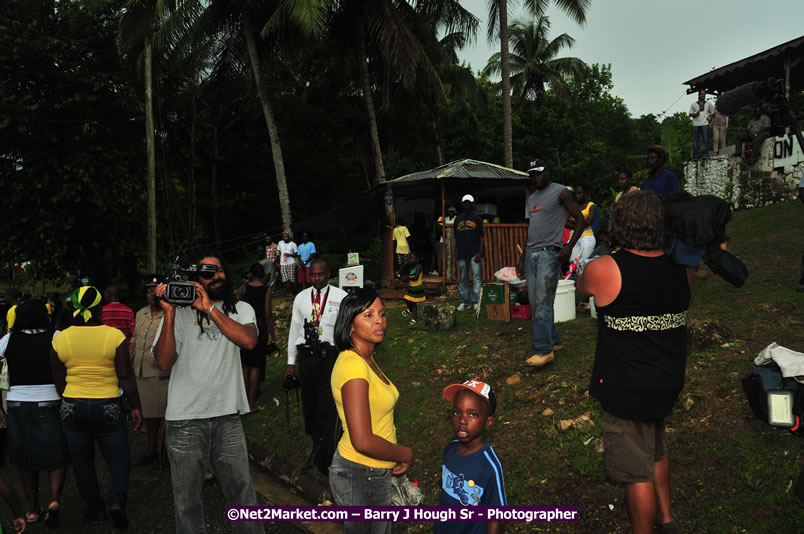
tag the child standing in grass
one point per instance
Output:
(471, 474)
(413, 273)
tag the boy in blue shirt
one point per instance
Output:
(471, 474)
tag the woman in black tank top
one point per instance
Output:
(642, 297)
(256, 293)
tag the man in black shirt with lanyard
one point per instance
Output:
(311, 346)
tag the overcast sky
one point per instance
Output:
(654, 46)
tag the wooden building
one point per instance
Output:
(421, 197)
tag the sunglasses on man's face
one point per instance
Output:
(207, 271)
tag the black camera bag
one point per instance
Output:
(769, 377)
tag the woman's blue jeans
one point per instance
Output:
(356, 484)
(542, 270)
(85, 421)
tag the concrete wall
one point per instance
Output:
(746, 186)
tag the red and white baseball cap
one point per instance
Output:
(475, 386)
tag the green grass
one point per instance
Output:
(730, 472)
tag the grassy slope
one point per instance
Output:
(730, 472)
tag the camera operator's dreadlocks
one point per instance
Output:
(229, 302)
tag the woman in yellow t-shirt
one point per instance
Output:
(90, 364)
(367, 454)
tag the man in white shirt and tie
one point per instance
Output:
(311, 347)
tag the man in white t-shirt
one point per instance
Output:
(700, 112)
(287, 263)
(201, 345)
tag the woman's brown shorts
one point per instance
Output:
(632, 448)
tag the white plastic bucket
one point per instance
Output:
(564, 304)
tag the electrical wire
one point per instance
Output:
(660, 115)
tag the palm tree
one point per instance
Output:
(136, 26)
(379, 26)
(270, 20)
(498, 29)
(457, 84)
(392, 37)
(534, 64)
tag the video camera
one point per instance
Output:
(311, 338)
(313, 346)
(180, 290)
(749, 94)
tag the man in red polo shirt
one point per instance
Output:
(117, 314)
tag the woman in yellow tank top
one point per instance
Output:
(586, 243)
(367, 454)
(90, 364)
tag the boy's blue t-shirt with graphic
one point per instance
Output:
(474, 480)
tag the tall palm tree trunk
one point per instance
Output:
(365, 82)
(213, 185)
(150, 151)
(270, 121)
(439, 154)
(193, 184)
(505, 68)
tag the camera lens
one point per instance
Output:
(181, 292)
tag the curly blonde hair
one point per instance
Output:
(638, 221)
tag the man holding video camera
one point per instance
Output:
(200, 342)
(311, 343)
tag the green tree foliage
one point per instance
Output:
(497, 30)
(535, 64)
(70, 130)
(73, 157)
(677, 139)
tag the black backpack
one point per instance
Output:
(767, 378)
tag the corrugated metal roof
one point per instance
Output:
(464, 168)
(758, 67)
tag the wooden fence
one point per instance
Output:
(499, 247)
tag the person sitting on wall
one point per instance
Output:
(756, 132)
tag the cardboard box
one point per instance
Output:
(496, 312)
(497, 299)
(494, 293)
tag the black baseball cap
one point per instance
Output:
(537, 165)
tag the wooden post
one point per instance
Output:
(387, 266)
(150, 151)
(507, 302)
(443, 266)
(787, 76)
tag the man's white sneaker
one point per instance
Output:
(461, 307)
(474, 307)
